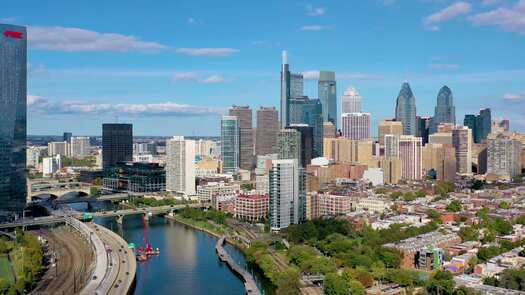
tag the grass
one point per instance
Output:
(6, 272)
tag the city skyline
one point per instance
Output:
(174, 75)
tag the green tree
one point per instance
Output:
(335, 285)
(288, 282)
(433, 214)
(454, 206)
(409, 196)
(503, 205)
(356, 288)
(469, 233)
(395, 195)
(441, 283)
(444, 187)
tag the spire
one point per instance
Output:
(285, 57)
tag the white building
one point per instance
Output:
(33, 156)
(58, 148)
(372, 205)
(80, 146)
(50, 165)
(205, 148)
(411, 159)
(356, 125)
(351, 101)
(374, 175)
(205, 192)
(143, 158)
(180, 165)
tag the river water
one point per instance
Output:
(187, 264)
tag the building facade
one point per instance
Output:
(285, 90)
(80, 146)
(504, 156)
(462, 143)
(180, 165)
(251, 207)
(267, 130)
(351, 101)
(307, 143)
(410, 155)
(135, 178)
(230, 145)
(356, 126)
(480, 124)
(309, 111)
(117, 144)
(389, 127)
(327, 94)
(289, 144)
(244, 115)
(406, 109)
(445, 111)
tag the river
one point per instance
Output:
(187, 263)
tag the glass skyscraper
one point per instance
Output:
(328, 96)
(13, 105)
(230, 144)
(481, 124)
(445, 112)
(307, 144)
(117, 144)
(285, 90)
(406, 109)
(309, 111)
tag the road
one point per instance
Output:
(143, 210)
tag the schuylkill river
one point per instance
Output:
(187, 264)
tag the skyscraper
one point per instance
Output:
(410, 154)
(230, 144)
(67, 137)
(267, 130)
(180, 165)
(445, 112)
(289, 144)
(309, 111)
(481, 124)
(328, 96)
(285, 90)
(13, 105)
(423, 127)
(79, 146)
(389, 127)
(406, 109)
(391, 146)
(462, 142)
(244, 115)
(356, 125)
(307, 144)
(296, 85)
(287, 194)
(117, 144)
(351, 101)
(503, 155)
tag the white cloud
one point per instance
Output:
(459, 8)
(511, 19)
(514, 96)
(213, 79)
(208, 51)
(196, 77)
(444, 66)
(75, 39)
(490, 2)
(315, 11)
(45, 106)
(311, 75)
(314, 28)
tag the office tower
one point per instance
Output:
(351, 101)
(230, 133)
(180, 165)
(13, 90)
(289, 144)
(285, 90)
(309, 111)
(481, 124)
(343, 150)
(328, 130)
(58, 148)
(391, 146)
(296, 85)
(462, 143)
(205, 148)
(389, 127)
(51, 165)
(356, 125)
(307, 144)
(423, 127)
(267, 130)
(80, 146)
(244, 115)
(391, 170)
(440, 160)
(500, 126)
(410, 155)
(287, 194)
(406, 109)
(145, 148)
(445, 112)
(117, 144)
(328, 96)
(67, 137)
(503, 156)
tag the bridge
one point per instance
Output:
(80, 199)
(55, 188)
(146, 211)
(46, 220)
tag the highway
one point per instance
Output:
(145, 210)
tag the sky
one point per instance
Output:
(173, 67)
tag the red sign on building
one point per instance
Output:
(13, 34)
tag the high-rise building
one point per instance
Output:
(391, 146)
(462, 142)
(50, 165)
(205, 148)
(439, 159)
(391, 170)
(445, 112)
(406, 109)
(230, 143)
(389, 127)
(423, 127)
(287, 194)
(503, 155)
(481, 124)
(267, 130)
(307, 142)
(285, 90)
(296, 85)
(67, 137)
(410, 154)
(58, 148)
(309, 111)
(13, 105)
(33, 156)
(328, 96)
(80, 146)
(117, 144)
(328, 130)
(244, 115)
(356, 125)
(289, 144)
(499, 126)
(343, 150)
(444, 138)
(180, 165)
(351, 101)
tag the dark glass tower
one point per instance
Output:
(13, 105)
(285, 91)
(309, 111)
(481, 124)
(328, 96)
(67, 136)
(445, 112)
(406, 109)
(307, 143)
(117, 144)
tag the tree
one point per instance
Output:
(469, 233)
(454, 206)
(421, 194)
(288, 282)
(395, 195)
(356, 288)
(502, 226)
(444, 187)
(503, 205)
(409, 196)
(441, 283)
(335, 285)
(93, 191)
(477, 185)
(433, 214)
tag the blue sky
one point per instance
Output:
(172, 67)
